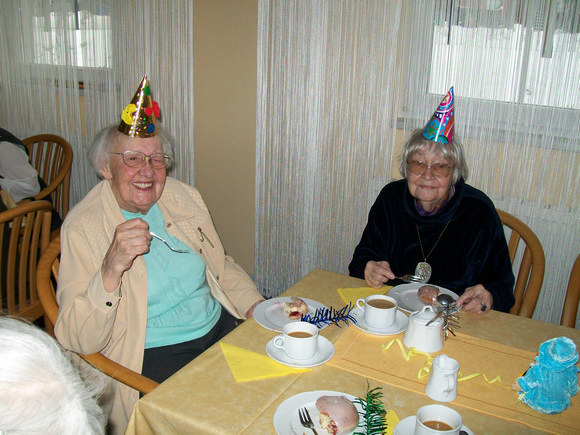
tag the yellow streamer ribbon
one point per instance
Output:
(423, 371)
(426, 369)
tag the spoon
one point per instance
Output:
(445, 300)
(180, 251)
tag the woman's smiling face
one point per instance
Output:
(135, 189)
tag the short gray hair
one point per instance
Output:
(109, 136)
(451, 151)
(40, 390)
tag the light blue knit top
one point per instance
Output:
(180, 306)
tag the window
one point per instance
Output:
(515, 62)
(77, 37)
(514, 51)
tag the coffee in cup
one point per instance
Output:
(299, 340)
(437, 420)
(380, 311)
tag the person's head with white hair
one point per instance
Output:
(40, 389)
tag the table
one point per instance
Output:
(203, 397)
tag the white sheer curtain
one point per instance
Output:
(343, 83)
(70, 67)
(326, 131)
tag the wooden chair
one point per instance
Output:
(52, 157)
(46, 279)
(531, 272)
(24, 235)
(570, 308)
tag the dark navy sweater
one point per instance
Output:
(473, 249)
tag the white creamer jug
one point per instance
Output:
(422, 337)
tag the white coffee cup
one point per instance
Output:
(298, 339)
(442, 383)
(380, 311)
(429, 416)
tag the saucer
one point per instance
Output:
(401, 323)
(324, 353)
(407, 426)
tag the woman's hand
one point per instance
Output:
(250, 311)
(378, 273)
(131, 239)
(475, 299)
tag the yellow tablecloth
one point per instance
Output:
(204, 397)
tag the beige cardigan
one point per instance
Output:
(91, 320)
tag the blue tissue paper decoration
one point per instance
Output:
(552, 380)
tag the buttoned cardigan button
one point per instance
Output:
(109, 304)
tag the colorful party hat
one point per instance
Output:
(440, 126)
(139, 119)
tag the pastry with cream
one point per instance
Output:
(296, 308)
(337, 414)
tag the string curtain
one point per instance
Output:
(74, 65)
(342, 84)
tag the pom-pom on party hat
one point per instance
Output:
(440, 126)
(139, 119)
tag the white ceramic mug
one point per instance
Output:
(380, 311)
(422, 337)
(298, 339)
(430, 416)
(442, 383)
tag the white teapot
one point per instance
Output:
(422, 337)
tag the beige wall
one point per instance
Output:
(225, 70)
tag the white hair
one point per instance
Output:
(40, 390)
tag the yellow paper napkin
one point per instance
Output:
(392, 420)
(247, 366)
(350, 295)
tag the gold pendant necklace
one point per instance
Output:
(423, 269)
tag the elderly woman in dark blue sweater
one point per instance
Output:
(434, 224)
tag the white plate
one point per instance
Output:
(324, 352)
(401, 323)
(270, 314)
(406, 295)
(286, 420)
(407, 426)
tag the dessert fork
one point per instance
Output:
(410, 278)
(181, 251)
(305, 419)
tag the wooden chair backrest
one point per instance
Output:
(24, 235)
(52, 157)
(531, 271)
(47, 278)
(570, 308)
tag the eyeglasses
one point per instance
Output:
(418, 167)
(136, 159)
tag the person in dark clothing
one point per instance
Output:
(433, 224)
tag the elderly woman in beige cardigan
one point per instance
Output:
(128, 295)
